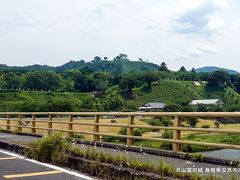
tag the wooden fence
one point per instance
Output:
(33, 117)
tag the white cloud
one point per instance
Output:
(198, 50)
(190, 17)
(101, 7)
(10, 21)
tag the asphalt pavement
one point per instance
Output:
(15, 167)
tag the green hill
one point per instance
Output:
(183, 92)
(168, 92)
(117, 66)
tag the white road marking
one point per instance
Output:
(48, 165)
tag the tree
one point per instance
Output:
(127, 83)
(97, 58)
(191, 121)
(42, 80)
(123, 56)
(182, 69)
(218, 79)
(163, 67)
(83, 83)
(101, 85)
(113, 102)
(149, 78)
(2, 82)
(13, 80)
(172, 108)
(193, 70)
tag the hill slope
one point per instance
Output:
(14, 101)
(115, 66)
(183, 92)
(214, 68)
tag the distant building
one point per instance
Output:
(216, 102)
(152, 106)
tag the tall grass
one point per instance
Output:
(56, 149)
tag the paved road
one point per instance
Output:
(172, 162)
(16, 167)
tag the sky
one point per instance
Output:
(192, 33)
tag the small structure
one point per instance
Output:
(216, 102)
(152, 106)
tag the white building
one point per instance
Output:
(216, 102)
(152, 106)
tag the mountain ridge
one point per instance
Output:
(215, 68)
(113, 66)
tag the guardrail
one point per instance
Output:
(34, 117)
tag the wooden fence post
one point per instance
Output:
(8, 123)
(130, 131)
(96, 129)
(33, 124)
(19, 123)
(177, 134)
(50, 123)
(70, 126)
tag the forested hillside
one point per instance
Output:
(99, 88)
(118, 65)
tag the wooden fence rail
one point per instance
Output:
(35, 117)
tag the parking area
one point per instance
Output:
(14, 167)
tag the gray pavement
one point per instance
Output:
(17, 167)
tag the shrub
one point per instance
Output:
(205, 126)
(138, 132)
(217, 124)
(166, 135)
(191, 121)
(109, 139)
(172, 108)
(78, 136)
(162, 121)
(53, 148)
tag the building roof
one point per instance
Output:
(155, 105)
(206, 102)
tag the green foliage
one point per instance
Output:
(53, 148)
(191, 121)
(123, 131)
(161, 121)
(114, 88)
(42, 80)
(172, 108)
(217, 124)
(212, 138)
(218, 79)
(78, 136)
(163, 67)
(127, 84)
(205, 126)
(41, 101)
(166, 135)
